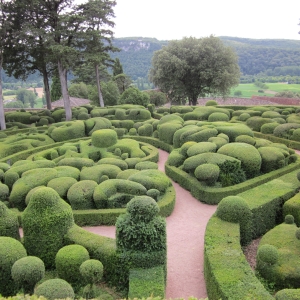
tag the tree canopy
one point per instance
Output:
(192, 67)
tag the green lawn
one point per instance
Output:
(249, 89)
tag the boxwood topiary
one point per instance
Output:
(9, 225)
(27, 271)
(46, 220)
(218, 116)
(104, 138)
(289, 219)
(61, 185)
(209, 173)
(80, 194)
(146, 165)
(245, 139)
(10, 251)
(96, 172)
(236, 210)
(91, 271)
(201, 147)
(266, 254)
(53, 289)
(68, 261)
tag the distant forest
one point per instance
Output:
(270, 57)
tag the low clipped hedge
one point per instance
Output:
(144, 283)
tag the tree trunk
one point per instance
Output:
(64, 90)
(194, 101)
(99, 87)
(2, 114)
(47, 90)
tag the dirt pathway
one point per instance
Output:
(185, 242)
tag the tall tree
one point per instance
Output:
(192, 67)
(117, 67)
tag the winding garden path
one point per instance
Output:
(185, 242)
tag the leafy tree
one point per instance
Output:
(192, 67)
(237, 93)
(110, 93)
(123, 82)
(26, 97)
(133, 95)
(156, 97)
(117, 67)
(14, 104)
(55, 88)
(287, 94)
(79, 90)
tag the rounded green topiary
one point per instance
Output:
(153, 193)
(244, 117)
(245, 139)
(10, 178)
(146, 165)
(142, 208)
(297, 233)
(10, 251)
(80, 194)
(27, 271)
(53, 289)
(91, 271)
(61, 185)
(9, 225)
(267, 254)
(208, 173)
(211, 103)
(218, 116)
(289, 219)
(46, 220)
(68, 261)
(104, 138)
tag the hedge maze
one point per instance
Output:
(101, 169)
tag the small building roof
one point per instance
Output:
(73, 102)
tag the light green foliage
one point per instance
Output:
(289, 219)
(104, 138)
(146, 165)
(209, 173)
(76, 162)
(27, 271)
(175, 158)
(156, 97)
(91, 271)
(113, 161)
(96, 123)
(247, 154)
(96, 172)
(202, 113)
(78, 90)
(133, 95)
(236, 210)
(80, 194)
(4, 191)
(245, 139)
(53, 289)
(218, 141)
(126, 173)
(9, 225)
(152, 179)
(129, 146)
(288, 294)
(211, 103)
(285, 130)
(11, 250)
(268, 128)
(45, 221)
(267, 254)
(114, 193)
(68, 261)
(64, 131)
(67, 171)
(272, 158)
(244, 117)
(218, 116)
(201, 147)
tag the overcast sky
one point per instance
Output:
(174, 19)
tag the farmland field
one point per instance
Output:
(249, 89)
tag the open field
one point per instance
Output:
(249, 89)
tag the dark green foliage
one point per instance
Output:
(151, 179)
(146, 165)
(68, 261)
(9, 225)
(53, 289)
(64, 131)
(4, 191)
(289, 219)
(91, 271)
(27, 271)
(247, 154)
(61, 185)
(292, 207)
(268, 128)
(11, 250)
(297, 234)
(153, 193)
(272, 159)
(284, 130)
(235, 209)
(45, 221)
(80, 194)
(133, 96)
(104, 138)
(209, 173)
(267, 254)
(146, 282)
(288, 294)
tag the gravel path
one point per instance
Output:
(185, 242)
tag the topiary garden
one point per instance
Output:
(101, 168)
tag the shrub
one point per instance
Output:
(146, 165)
(153, 193)
(289, 219)
(91, 271)
(284, 130)
(132, 131)
(80, 194)
(268, 128)
(76, 162)
(27, 271)
(11, 250)
(96, 172)
(53, 289)
(288, 294)
(272, 158)
(68, 261)
(244, 117)
(104, 138)
(245, 139)
(4, 192)
(297, 233)
(61, 185)
(236, 210)
(10, 178)
(9, 225)
(201, 147)
(267, 254)
(114, 161)
(255, 123)
(46, 220)
(211, 103)
(175, 158)
(218, 116)
(209, 173)
(247, 154)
